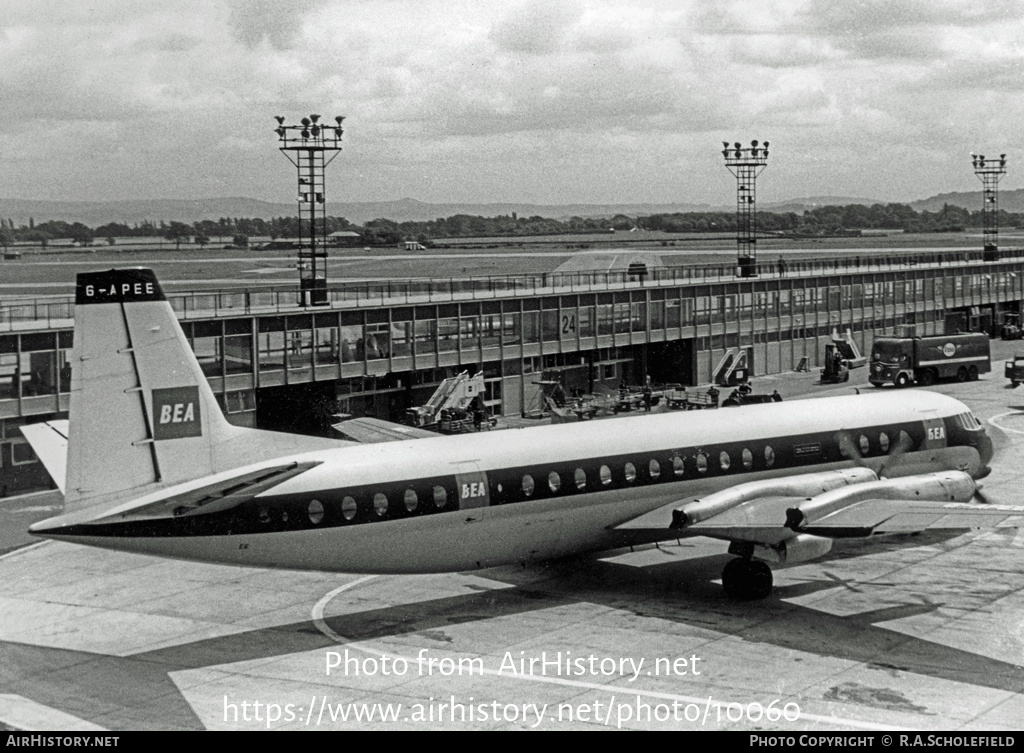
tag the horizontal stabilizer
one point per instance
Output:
(49, 441)
(203, 496)
(221, 495)
(374, 430)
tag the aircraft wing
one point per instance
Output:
(878, 516)
(374, 430)
(762, 520)
(49, 441)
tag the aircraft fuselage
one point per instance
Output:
(472, 501)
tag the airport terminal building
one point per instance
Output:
(377, 349)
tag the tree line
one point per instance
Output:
(821, 221)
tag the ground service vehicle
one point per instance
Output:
(1011, 329)
(1015, 369)
(836, 368)
(924, 360)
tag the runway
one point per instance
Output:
(920, 634)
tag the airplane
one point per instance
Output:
(152, 466)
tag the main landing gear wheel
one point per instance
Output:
(746, 580)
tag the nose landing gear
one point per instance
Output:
(747, 579)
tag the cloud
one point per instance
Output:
(277, 22)
(537, 28)
(638, 91)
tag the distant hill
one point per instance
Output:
(95, 213)
(1011, 201)
(813, 202)
(98, 213)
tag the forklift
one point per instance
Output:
(837, 368)
(1011, 329)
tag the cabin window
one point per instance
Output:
(748, 459)
(865, 445)
(769, 456)
(606, 475)
(702, 462)
(724, 460)
(528, 485)
(883, 442)
(630, 470)
(678, 466)
(316, 512)
(440, 497)
(654, 469)
(264, 515)
(580, 478)
(348, 508)
(412, 501)
(380, 504)
(554, 481)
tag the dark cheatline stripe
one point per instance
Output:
(330, 508)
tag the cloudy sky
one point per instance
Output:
(546, 101)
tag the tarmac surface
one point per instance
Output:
(917, 633)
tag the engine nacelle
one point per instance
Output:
(945, 486)
(800, 548)
(806, 485)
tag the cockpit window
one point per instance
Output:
(969, 421)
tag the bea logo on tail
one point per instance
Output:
(176, 413)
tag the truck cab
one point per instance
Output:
(1015, 369)
(892, 361)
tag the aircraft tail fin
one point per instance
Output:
(142, 412)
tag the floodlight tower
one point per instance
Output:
(990, 171)
(745, 163)
(311, 147)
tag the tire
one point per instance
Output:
(761, 580)
(734, 579)
(746, 580)
(926, 378)
(961, 374)
(902, 380)
(972, 373)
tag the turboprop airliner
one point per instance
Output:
(152, 466)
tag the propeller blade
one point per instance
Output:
(896, 452)
(848, 448)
